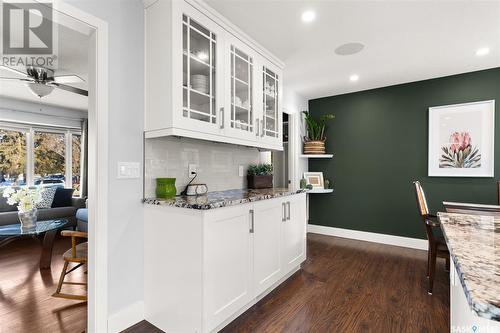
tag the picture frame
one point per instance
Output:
(461, 140)
(315, 179)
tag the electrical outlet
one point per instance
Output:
(240, 171)
(192, 170)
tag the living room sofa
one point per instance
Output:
(8, 214)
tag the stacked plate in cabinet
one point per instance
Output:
(200, 82)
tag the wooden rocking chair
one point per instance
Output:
(77, 254)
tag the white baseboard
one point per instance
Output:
(413, 243)
(126, 317)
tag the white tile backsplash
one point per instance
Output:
(217, 163)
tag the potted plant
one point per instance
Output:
(260, 176)
(26, 200)
(314, 142)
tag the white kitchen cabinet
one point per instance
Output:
(207, 80)
(241, 96)
(228, 257)
(268, 219)
(294, 232)
(203, 268)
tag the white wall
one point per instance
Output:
(126, 123)
(15, 110)
(295, 104)
(217, 163)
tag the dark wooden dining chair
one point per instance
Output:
(471, 209)
(498, 193)
(77, 255)
(436, 244)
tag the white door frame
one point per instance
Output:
(97, 319)
(292, 149)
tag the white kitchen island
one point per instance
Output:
(474, 244)
(210, 258)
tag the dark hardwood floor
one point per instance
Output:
(350, 286)
(344, 286)
(26, 304)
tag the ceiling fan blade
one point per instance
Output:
(70, 89)
(12, 70)
(68, 79)
(15, 78)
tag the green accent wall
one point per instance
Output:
(379, 141)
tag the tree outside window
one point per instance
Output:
(12, 158)
(49, 149)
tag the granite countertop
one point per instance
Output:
(474, 244)
(222, 198)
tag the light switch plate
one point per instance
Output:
(129, 170)
(240, 171)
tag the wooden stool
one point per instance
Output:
(77, 254)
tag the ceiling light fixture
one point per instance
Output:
(354, 78)
(39, 89)
(308, 16)
(483, 51)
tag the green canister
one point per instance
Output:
(165, 188)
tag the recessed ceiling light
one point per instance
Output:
(483, 51)
(308, 16)
(354, 77)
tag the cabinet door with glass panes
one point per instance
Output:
(271, 123)
(202, 75)
(240, 90)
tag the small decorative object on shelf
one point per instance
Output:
(303, 183)
(165, 188)
(260, 176)
(26, 200)
(327, 183)
(314, 142)
(315, 179)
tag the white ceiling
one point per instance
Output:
(404, 40)
(72, 58)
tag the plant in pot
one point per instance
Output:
(314, 142)
(26, 200)
(260, 176)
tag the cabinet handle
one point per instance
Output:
(283, 212)
(252, 222)
(288, 204)
(257, 128)
(221, 117)
(262, 123)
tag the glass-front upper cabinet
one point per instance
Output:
(271, 109)
(241, 89)
(199, 72)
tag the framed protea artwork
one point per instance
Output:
(461, 140)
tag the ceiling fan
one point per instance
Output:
(41, 81)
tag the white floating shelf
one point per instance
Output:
(320, 190)
(316, 156)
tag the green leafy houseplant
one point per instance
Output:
(260, 169)
(260, 176)
(316, 128)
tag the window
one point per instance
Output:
(12, 158)
(50, 158)
(76, 151)
(40, 157)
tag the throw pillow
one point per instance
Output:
(47, 194)
(63, 197)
